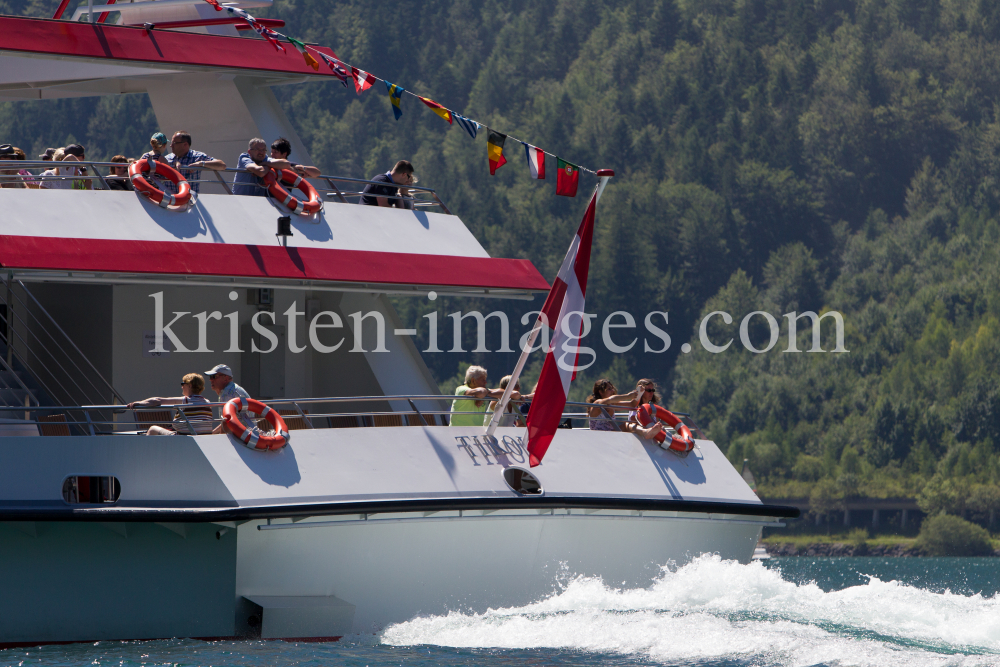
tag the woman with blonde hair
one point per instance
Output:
(510, 417)
(199, 415)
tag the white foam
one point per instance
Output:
(712, 609)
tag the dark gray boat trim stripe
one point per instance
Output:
(209, 514)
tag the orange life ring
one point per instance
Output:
(251, 437)
(290, 178)
(682, 441)
(173, 202)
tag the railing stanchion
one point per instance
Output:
(339, 193)
(417, 410)
(90, 424)
(441, 203)
(225, 186)
(303, 415)
(187, 421)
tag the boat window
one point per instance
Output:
(91, 489)
(522, 481)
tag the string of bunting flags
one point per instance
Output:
(567, 173)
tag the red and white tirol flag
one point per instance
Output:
(562, 312)
(362, 80)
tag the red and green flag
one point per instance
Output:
(567, 179)
(301, 48)
(494, 148)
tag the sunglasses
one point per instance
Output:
(648, 389)
(185, 383)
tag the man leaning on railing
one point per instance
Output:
(389, 189)
(188, 162)
(281, 148)
(256, 163)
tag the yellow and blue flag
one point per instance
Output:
(395, 96)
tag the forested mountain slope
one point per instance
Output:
(772, 155)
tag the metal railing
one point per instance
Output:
(34, 340)
(326, 185)
(304, 409)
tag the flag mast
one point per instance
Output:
(604, 175)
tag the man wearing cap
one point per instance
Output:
(221, 379)
(77, 151)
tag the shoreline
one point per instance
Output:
(841, 549)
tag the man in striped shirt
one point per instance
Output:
(199, 415)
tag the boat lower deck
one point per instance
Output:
(319, 578)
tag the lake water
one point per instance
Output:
(785, 611)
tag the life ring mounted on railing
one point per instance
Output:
(311, 206)
(176, 202)
(682, 440)
(251, 437)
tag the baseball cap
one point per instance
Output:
(7, 150)
(47, 155)
(159, 138)
(75, 149)
(220, 369)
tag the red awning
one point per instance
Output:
(162, 47)
(267, 262)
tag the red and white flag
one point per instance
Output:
(362, 80)
(536, 160)
(562, 312)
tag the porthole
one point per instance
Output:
(522, 481)
(91, 489)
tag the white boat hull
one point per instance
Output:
(392, 570)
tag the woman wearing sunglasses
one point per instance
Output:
(605, 398)
(199, 415)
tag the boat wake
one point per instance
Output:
(713, 610)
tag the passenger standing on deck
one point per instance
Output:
(221, 378)
(158, 143)
(281, 148)
(511, 416)
(189, 162)
(199, 416)
(119, 180)
(250, 183)
(474, 392)
(56, 178)
(391, 184)
(14, 178)
(78, 153)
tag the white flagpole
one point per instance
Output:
(604, 175)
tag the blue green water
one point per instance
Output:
(786, 611)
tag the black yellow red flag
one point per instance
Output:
(494, 148)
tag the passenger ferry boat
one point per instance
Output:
(375, 511)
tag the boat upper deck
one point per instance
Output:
(83, 235)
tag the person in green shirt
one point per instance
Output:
(476, 395)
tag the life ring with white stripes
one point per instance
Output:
(310, 207)
(251, 437)
(175, 202)
(682, 441)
